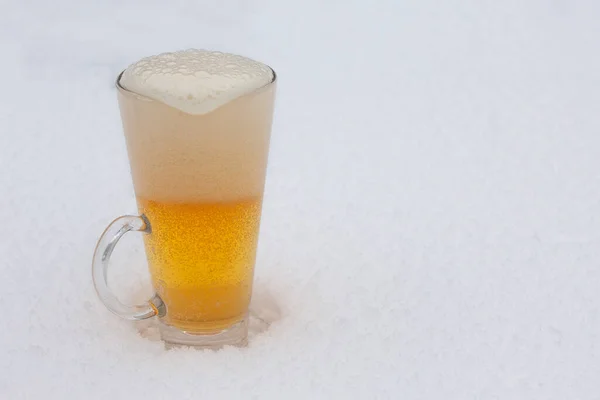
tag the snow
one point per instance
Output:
(431, 226)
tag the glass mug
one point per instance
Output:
(199, 182)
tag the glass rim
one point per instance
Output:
(122, 89)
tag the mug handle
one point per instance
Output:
(106, 244)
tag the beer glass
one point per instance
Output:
(199, 183)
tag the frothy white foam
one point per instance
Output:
(195, 81)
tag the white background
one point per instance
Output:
(431, 226)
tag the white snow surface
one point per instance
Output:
(431, 228)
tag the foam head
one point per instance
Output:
(195, 81)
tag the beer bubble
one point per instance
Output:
(195, 81)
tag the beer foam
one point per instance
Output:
(195, 81)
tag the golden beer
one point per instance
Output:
(201, 258)
(199, 180)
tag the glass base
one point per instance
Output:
(236, 335)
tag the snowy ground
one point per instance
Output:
(432, 221)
